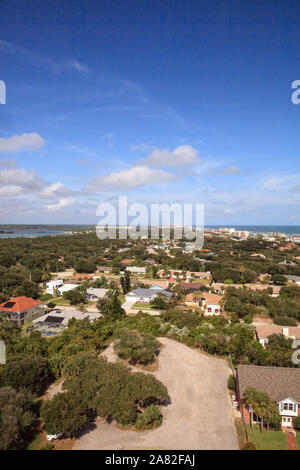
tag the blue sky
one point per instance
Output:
(162, 101)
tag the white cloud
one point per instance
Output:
(20, 177)
(21, 143)
(8, 163)
(129, 179)
(230, 170)
(55, 190)
(60, 205)
(183, 155)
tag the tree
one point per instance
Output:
(17, 417)
(137, 347)
(159, 302)
(263, 406)
(74, 296)
(31, 372)
(65, 413)
(125, 282)
(111, 308)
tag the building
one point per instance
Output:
(52, 286)
(162, 284)
(210, 303)
(95, 294)
(67, 287)
(191, 286)
(293, 279)
(136, 270)
(21, 309)
(146, 295)
(282, 384)
(62, 317)
(264, 331)
(105, 269)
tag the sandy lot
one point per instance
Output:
(199, 416)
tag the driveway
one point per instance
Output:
(199, 416)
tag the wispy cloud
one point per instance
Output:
(55, 66)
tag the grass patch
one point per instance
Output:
(240, 432)
(267, 440)
(61, 301)
(142, 305)
(297, 439)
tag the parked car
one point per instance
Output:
(52, 437)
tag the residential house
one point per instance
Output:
(104, 269)
(136, 270)
(62, 317)
(293, 279)
(282, 384)
(191, 286)
(264, 331)
(162, 284)
(287, 263)
(146, 295)
(21, 309)
(127, 261)
(210, 303)
(52, 286)
(67, 287)
(94, 294)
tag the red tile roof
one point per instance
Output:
(19, 304)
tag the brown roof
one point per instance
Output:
(191, 285)
(278, 382)
(211, 299)
(264, 331)
(155, 282)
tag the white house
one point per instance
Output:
(94, 293)
(136, 270)
(264, 331)
(211, 303)
(51, 286)
(146, 295)
(67, 287)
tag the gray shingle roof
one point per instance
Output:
(278, 382)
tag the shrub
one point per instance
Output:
(231, 383)
(136, 347)
(151, 417)
(297, 423)
(285, 321)
(51, 304)
(249, 446)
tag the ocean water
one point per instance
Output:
(286, 229)
(30, 233)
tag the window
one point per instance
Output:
(288, 407)
(209, 309)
